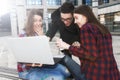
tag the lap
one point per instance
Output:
(44, 73)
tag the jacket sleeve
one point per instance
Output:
(53, 26)
(88, 48)
(52, 30)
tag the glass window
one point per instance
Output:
(34, 2)
(5, 25)
(105, 1)
(87, 2)
(116, 23)
(54, 2)
(100, 2)
(75, 2)
(109, 18)
(102, 19)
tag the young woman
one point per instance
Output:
(38, 71)
(95, 48)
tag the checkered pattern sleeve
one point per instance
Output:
(88, 48)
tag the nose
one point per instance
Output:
(65, 22)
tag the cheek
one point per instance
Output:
(34, 23)
(40, 23)
(78, 21)
(80, 18)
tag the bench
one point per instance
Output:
(9, 73)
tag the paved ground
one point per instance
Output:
(116, 49)
(7, 59)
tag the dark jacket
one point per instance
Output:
(67, 34)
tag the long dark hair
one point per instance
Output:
(29, 25)
(87, 12)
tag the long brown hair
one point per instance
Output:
(29, 25)
(87, 12)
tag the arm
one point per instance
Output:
(53, 27)
(88, 47)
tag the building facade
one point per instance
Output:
(107, 11)
(21, 10)
(109, 14)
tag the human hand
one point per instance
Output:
(34, 64)
(61, 44)
(38, 29)
(48, 38)
(76, 43)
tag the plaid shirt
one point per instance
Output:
(96, 54)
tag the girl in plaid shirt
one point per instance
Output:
(39, 71)
(95, 50)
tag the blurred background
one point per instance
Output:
(13, 13)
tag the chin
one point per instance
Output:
(67, 25)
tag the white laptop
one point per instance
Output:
(31, 49)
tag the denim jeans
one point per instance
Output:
(73, 67)
(45, 73)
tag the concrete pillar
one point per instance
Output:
(21, 14)
(45, 14)
(94, 7)
(79, 2)
(62, 1)
(14, 25)
(13, 18)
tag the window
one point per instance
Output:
(116, 23)
(100, 2)
(34, 2)
(54, 2)
(87, 2)
(5, 25)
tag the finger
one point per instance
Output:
(33, 65)
(40, 65)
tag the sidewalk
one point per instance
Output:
(116, 49)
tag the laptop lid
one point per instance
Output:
(31, 49)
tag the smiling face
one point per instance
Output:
(67, 18)
(80, 19)
(37, 21)
(37, 24)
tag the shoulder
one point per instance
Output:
(55, 15)
(91, 28)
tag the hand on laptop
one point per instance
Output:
(34, 64)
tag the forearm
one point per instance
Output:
(82, 53)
